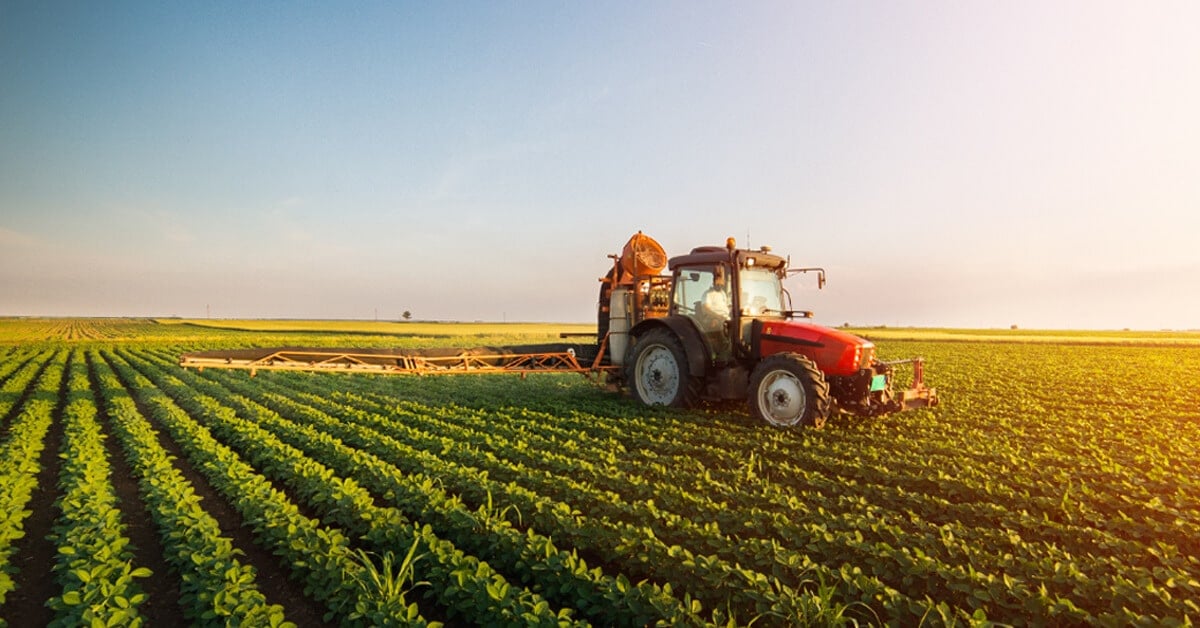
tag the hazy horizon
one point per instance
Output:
(950, 165)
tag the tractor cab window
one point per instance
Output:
(761, 292)
(703, 293)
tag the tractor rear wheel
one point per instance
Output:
(787, 389)
(657, 372)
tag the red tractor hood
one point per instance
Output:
(835, 352)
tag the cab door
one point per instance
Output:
(704, 294)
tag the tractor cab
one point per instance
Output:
(724, 290)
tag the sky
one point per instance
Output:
(961, 164)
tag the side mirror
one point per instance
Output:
(820, 274)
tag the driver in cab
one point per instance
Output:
(715, 305)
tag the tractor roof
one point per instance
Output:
(709, 255)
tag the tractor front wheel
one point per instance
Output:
(656, 370)
(787, 389)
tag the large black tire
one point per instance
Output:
(657, 371)
(788, 389)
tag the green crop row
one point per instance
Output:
(19, 375)
(94, 562)
(19, 464)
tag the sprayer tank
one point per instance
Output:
(618, 325)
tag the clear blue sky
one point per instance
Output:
(950, 163)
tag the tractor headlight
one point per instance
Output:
(867, 355)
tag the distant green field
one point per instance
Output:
(1059, 336)
(421, 328)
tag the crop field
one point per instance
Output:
(1058, 483)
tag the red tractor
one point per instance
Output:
(721, 326)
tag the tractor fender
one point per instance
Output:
(685, 330)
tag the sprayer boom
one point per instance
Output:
(567, 358)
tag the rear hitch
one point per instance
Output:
(918, 394)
